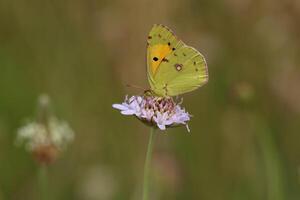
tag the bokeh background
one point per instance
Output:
(245, 135)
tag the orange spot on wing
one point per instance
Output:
(159, 51)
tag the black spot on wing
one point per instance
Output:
(165, 60)
(155, 58)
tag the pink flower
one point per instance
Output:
(162, 112)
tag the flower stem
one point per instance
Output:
(43, 182)
(147, 165)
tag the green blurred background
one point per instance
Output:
(245, 135)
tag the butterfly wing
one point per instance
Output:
(184, 70)
(161, 42)
(173, 67)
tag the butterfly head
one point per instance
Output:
(149, 92)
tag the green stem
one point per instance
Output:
(43, 182)
(147, 165)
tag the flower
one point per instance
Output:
(162, 112)
(45, 141)
(46, 136)
(35, 134)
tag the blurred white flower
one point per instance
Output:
(162, 112)
(46, 136)
(34, 134)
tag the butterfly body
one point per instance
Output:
(173, 68)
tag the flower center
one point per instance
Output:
(160, 104)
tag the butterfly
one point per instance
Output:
(173, 68)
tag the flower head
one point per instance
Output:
(34, 134)
(162, 112)
(46, 136)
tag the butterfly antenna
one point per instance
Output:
(135, 86)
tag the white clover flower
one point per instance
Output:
(34, 134)
(162, 112)
(45, 140)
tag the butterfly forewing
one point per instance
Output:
(161, 42)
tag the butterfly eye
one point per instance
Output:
(155, 59)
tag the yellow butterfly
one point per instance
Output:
(173, 68)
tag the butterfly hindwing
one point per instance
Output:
(173, 67)
(185, 70)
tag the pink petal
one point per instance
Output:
(161, 126)
(128, 112)
(120, 106)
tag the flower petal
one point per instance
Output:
(188, 128)
(128, 112)
(120, 106)
(161, 126)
